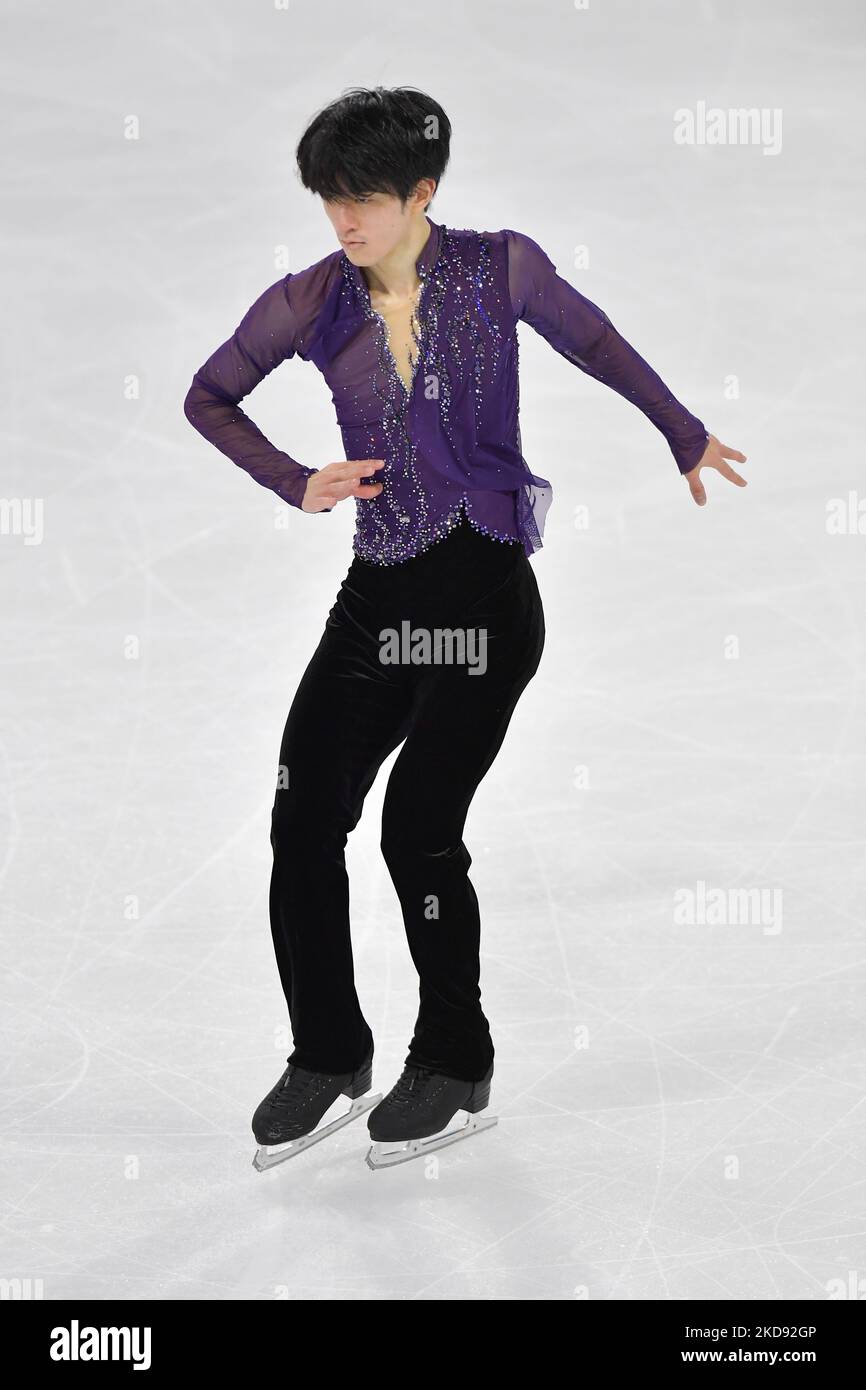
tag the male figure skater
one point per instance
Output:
(413, 326)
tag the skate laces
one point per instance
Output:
(294, 1084)
(411, 1083)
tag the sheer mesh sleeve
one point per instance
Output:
(583, 333)
(265, 337)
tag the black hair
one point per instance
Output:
(374, 140)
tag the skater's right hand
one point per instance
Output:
(337, 481)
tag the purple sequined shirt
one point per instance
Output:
(452, 442)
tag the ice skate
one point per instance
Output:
(416, 1117)
(285, 1122)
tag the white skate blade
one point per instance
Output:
(269, 1155)
(384, 1153)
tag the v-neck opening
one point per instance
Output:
(415, 316)
(425, 263)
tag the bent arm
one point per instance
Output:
(265, 337)
(583, 333)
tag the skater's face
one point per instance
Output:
(370, 227)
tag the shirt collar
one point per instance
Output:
(430, 252)
(424, 264)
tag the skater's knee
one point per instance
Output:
(307, 825)
(416, 838)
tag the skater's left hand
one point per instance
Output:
(714, 457)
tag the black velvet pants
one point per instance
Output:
(352, 709)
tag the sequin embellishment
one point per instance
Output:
(455, 342)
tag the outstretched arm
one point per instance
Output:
(266, 336)
(582, 332)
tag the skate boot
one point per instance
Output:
(415, 1117)
(285, 1123)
